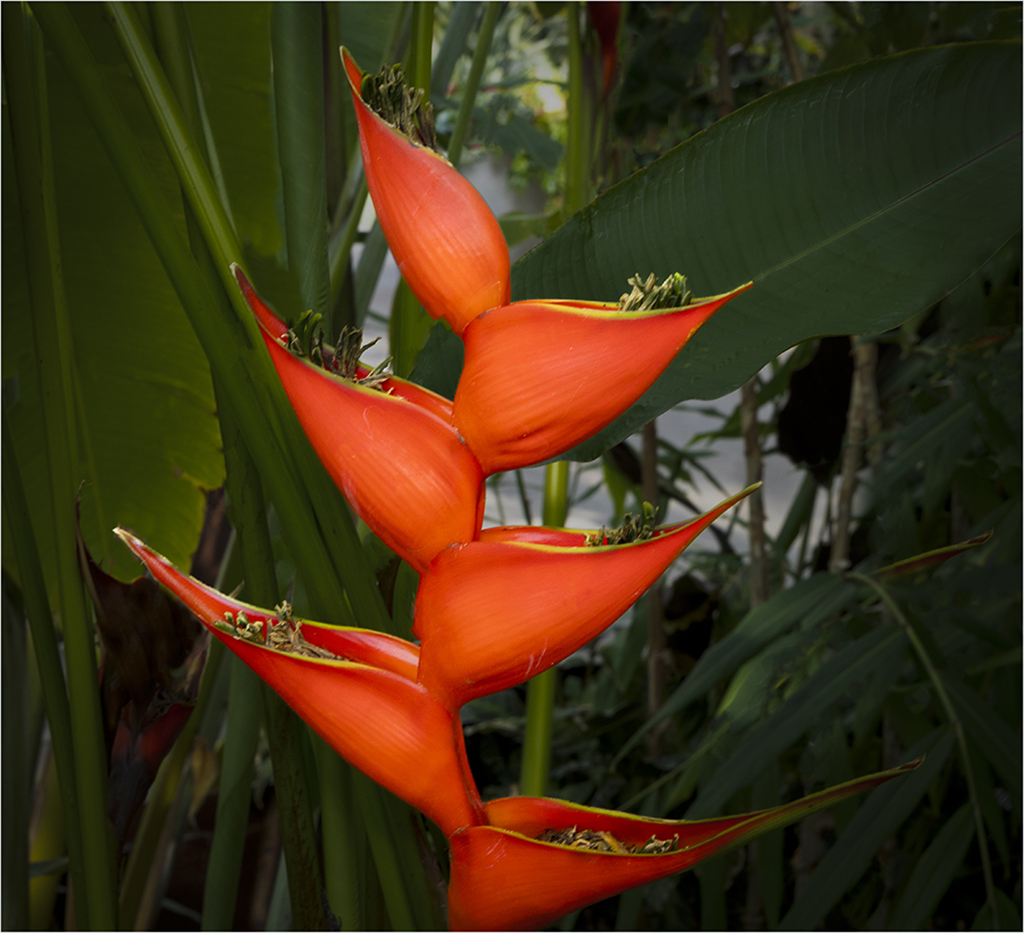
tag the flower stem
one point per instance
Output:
(540, 692)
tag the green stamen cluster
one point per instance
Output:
(632, 529)
(306, 339)
(648, 296)
(283, 634)
(599, 841)
(402, 107)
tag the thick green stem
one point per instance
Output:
(476, 70)
(344, 838)
(540, 692)
(954, 719)
(421, 46)
(296, 33)
(284, 731)
(577, 144)
(26, 96)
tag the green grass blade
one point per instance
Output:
(17, 770)
(51, 675)
(795, 716)
(807, 602)
(941, 861)
(876, 820)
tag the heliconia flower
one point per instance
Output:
(402, 467)
(541, 376)
(504, 875)
(356, 688)
(492, 613)
(447, 243)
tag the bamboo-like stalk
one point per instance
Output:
(344, 838)
(26, 95)
(865, 355)
(577, 144)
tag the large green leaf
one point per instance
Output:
(150, 439)
(852, 200)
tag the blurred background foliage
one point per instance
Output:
(824, 676)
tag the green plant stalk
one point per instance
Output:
(577, 146)
(344, 838)
(340, 248)
(284, 731)
(540, 691)
(51, 676)
(286, 736)
(17, 770)
(410, 325)
(26, 95)
(421, 44)
(234, 796)
(492, 10)
(954, 719)
(385, 853)
(296, 37)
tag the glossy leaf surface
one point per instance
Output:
(852, 200)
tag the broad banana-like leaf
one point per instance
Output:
(852, 200)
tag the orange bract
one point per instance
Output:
(504, 878)
(447, 243)
(406, 472)
(542, 376)
(491, 614)
(364, 703)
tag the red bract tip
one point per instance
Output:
(447, 243)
